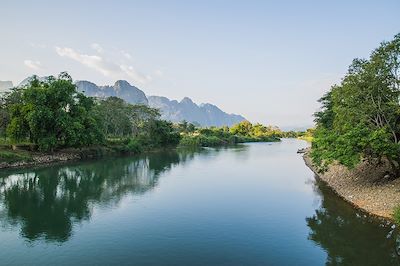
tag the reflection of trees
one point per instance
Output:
(46, 202)
(348, 236)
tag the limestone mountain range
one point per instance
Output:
(176, 111)
(204, 114)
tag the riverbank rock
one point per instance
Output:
(363, 186)
(301, 151)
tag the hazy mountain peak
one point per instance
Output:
(187, 100)
(28, 80)
(121, 89)
(205, 114)
(5, 85)
(122, 83)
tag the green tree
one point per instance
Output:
(53, 114)
(243, 128)
(360, 117)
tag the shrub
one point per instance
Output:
(134, 146)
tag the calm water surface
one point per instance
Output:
(252, 204)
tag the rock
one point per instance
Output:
(304, 150)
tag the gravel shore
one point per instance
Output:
(70, 154)
(363, 186)
(42, 159)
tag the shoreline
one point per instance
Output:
(362, 187)
(87, 153)
(67, 155)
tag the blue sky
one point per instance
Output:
(267, 60)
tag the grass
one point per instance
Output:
(396, 215)
(306, 138)
(10, 156)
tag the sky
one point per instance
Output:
(269, 61)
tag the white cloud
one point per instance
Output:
(97, 47)
(132, 73)
(35, 65)
(92, 61)
(106, 67)
(126, 55)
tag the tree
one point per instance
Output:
(53, 114)
(243, 128)
(162, 133)
(360, 118)
(121, 119)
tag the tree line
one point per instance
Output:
(360, 117)
(52, 114)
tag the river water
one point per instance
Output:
(250, 204)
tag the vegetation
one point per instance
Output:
(396, 215)
(214, 136)
(308, 135)
(53, 115)
(360, 117)
(14, 156)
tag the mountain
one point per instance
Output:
(172, 110)
(5, 85)
(203, 114)
(29, 79)
(121, 89)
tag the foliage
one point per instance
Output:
(185, 127)
(308, 135)
(162, 133)
(13, 156)
(360, 118)
(121, 119)
(52, 114)
(134, 146)
(239, 133)
(396, 215)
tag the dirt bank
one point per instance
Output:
(363, 186)
(37, 158)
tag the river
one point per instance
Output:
(250, 204)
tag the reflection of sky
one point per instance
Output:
(15, 179)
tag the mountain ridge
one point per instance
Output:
(205, 114)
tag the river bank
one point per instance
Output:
(363, 186)
(23, 158)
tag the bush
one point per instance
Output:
(211, 141)
(192, 141)
(134, 146)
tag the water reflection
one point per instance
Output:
(348, 236)
(46, 202)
